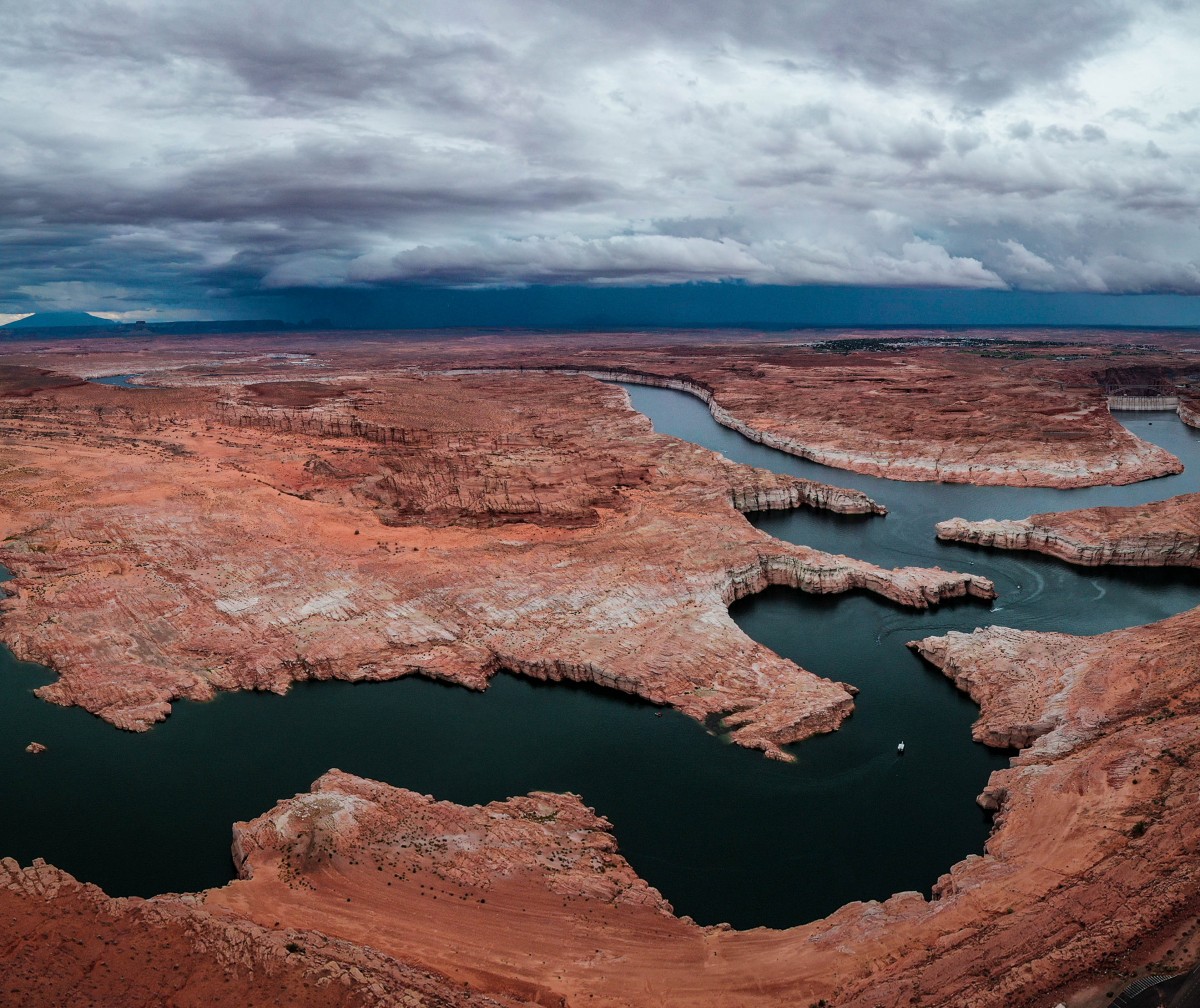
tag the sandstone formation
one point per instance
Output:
(1013, 408)
(174, 542)
(1081, 444)
(348, 508)
(1159, 534)
(966, 414)
(529, 897)
(362, 893)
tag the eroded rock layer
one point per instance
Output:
(1097, 815)
(1091, 873)
(988, 412)
(335, 508)
(175, 542)
(918, 420)
(1159, 534)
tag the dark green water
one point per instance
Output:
(724, 833)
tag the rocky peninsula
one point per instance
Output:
(1158, 534)
(171, 543)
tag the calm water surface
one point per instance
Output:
(724, 833)
(119, 380)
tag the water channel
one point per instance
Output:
(724, 833)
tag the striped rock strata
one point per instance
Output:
(1160, 534)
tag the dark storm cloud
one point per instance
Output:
(315, 181)
(177, 150)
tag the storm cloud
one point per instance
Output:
(165, 156)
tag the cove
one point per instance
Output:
(124, 381)
(724, 833)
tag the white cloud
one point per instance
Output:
(156, 315)
(659, 259)
(1025, 267)
(180, 147)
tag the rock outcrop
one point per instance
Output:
(365, 519)
(176, 542)
(359, 893)
(65, 943)
(1108, 730)
(915, 416)
(1159, 534)
(1005, 409)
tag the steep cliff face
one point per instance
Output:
(1163, 533)
(805, 493)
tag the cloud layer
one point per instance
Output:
(177, 153)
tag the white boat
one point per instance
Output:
(900, 749)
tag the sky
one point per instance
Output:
(369, 161)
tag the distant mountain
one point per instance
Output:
(55, 319)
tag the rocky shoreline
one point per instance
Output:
(1159, 534)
